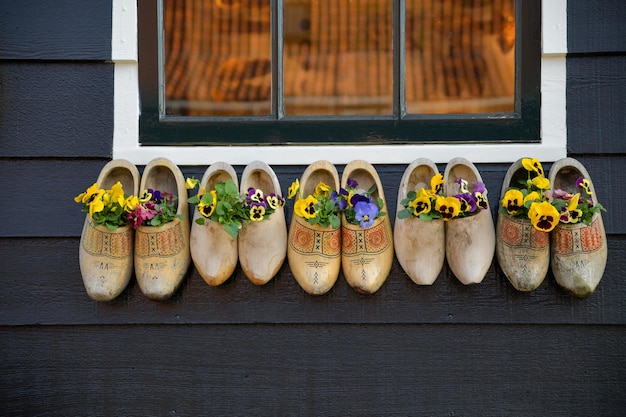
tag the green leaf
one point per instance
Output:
(404, 214)
(200, 220)
(232, 229)
(231, 188)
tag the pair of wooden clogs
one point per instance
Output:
(467, 243)
(316, 254)
(158, 255)
(577, 253)
(260, 247)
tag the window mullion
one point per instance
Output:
(277, 90)
(399, 79)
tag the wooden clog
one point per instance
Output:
(313, 251)
(470, 241)
(106, 257)
(578, 251)
(523, 252)
(162, 254)
(420, 246)
(263, 244)
(214, 252)
(366, 254)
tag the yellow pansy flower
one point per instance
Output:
(191, 183)
(436, 184)
(87, 195)
(131, 203)
(293, 189)
(96, 204)
(513, 201)
(322, 190)
(533, 165)
(257, 213)
(532, 196)
(449, 207)
(541, 182)
(422, 203)
(543, 216)
(305, 208)
(117, 193)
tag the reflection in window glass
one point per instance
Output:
(460, 56)
(338, 57)
(217, 57)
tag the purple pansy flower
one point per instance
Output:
(365, 213)
(358, 198)
(468, 202)
(156, 195)
(341, 202)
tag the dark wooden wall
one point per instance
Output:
(450, 350)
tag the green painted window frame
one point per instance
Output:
(521, 125)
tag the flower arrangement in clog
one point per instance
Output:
(469, 228)
(530, 198)
(422, 203)
(419, 231)
(359, 206)
(322, 208)
(224, 204)
(314, 241)
(262, 241)
(107, 207)
(153, 208)
(574, 207)
(578, 243)
(366, 234)
(162, 254)
(261, 206)
(106, 251)
(427, 204)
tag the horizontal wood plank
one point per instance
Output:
(42, 285)
(594, 27)
(596, 98)
(56, 109)
(55, 30)
(360, 370)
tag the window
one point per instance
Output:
(379, 72)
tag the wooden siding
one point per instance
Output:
(274, 350)
(318, 370)
(56, 109)
(55, 30)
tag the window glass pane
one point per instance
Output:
(338, 57)
(217, 57)
(460, 56)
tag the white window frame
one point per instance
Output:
(126, 101)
